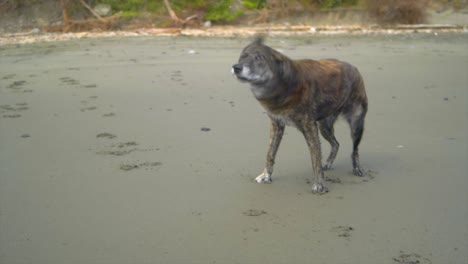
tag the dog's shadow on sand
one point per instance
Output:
(374, 165)
(340, 177)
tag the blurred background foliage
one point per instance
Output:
(228, 11)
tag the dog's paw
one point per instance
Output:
(327, 166)
(265, 177)
(359, 172)
(319, 188)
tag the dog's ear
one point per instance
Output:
(259, 39)
(285, 68)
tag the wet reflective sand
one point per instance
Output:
(145, 150)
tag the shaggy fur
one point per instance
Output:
(306, 94)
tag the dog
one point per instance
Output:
(306, 94)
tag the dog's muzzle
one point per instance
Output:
(236, 68)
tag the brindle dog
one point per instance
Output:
(306, 94)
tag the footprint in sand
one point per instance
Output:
(91, 108)
(106, 135)
(17, 86)
(12, 116)
(177, 76)
(411, 258)
(343, 231)
(144, 165)
(125, 148)
(108, 115)
(12, 111)
(9, 76)
(69, 81)
(119, 149)
(254, 212)
(332, 179)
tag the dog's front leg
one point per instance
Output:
(310, 131)
(276, 134)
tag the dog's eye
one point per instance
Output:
(258, 57)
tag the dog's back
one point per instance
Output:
(334, 86)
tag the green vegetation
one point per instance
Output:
(226, 11)
(254, 4)
(133, 5)
(18, 3)
(398, 11)
(218, 11)
(337, 3)
(152, 6)
(221, 12)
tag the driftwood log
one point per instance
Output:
(175, 18)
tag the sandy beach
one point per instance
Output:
(144, 150)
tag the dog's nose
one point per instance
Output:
(237, 68)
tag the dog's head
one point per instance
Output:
(256, 63)
(263, 67)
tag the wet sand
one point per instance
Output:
(145, 150)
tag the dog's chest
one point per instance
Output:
(283, 119)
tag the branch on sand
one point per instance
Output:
(66, 19)
(77, 25)
(175, 18)
(92, 11)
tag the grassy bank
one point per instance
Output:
(154, 13)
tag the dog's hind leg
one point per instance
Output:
(328, 133)
(276, 134)
(355, 119)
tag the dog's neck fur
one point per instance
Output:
(280, 86)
